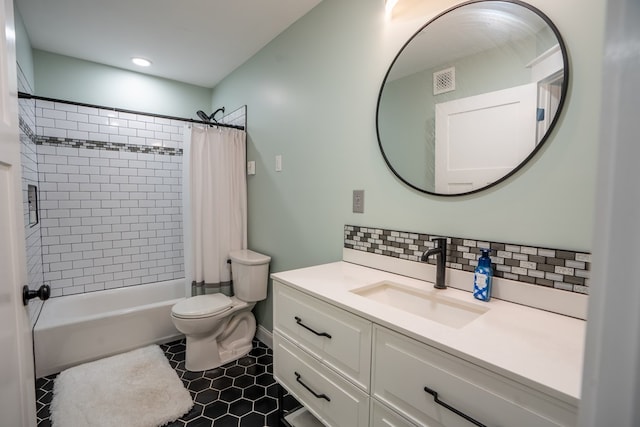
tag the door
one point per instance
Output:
(481, 138)
(17, 393)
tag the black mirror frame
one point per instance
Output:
(563, 96)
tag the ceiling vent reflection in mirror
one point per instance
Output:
(444, 81)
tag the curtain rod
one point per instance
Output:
(24, 95)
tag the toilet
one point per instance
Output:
(220, 329)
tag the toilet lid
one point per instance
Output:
(202, 306)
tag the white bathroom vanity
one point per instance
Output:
(357, 346)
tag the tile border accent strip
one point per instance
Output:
(26, 129)
(554, 268)
(110, 146)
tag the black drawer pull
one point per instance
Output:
(451, 408)
(319, 396)
(320, 334)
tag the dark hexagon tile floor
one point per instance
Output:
(240, 394)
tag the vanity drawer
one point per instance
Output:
(333, 400)
(381, 416)
(339, 339)
(403, 367)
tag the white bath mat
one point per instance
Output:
(134, 389)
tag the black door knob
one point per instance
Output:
(43, 292)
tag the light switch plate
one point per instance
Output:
(358, 201)
(251, 167)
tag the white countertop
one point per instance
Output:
(540, 349)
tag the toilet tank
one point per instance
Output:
(250, 274)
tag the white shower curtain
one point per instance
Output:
(215, 200)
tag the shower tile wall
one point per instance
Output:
(29, 163)
(111, 208)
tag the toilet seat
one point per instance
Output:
(202, 306)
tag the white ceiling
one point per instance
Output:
(193, 41)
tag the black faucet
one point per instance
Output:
(440, 251)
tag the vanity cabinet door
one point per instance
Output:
(339, 339)
(403, 367)
(333, 400)
(381, 416)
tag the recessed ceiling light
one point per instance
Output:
(141, 62)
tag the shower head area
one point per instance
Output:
(209, 118)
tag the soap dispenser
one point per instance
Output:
(482, 277)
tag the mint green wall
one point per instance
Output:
(73, 79)
(311, 97)
(24, 56)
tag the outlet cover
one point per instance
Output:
(358, 201)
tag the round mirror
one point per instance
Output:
(472, 96)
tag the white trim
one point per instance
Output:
(611, 376)
(264, 335)
(549, 299)
(547, 64)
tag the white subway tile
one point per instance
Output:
(119, 179)
(128, 172)
(111, 220)
(127, 132)
(89, 204)
(46, 122)
(93, 270)
(54, 114)
(61, 106)
(101, 137)
(58, 249)
(137, 140)
(88, 127)
(127, 116)
(66, 124)
(91, 221)
(119, 163)
(109, 154)
(104, 170)
(89, 187)
(105, 112)
(169, 144)
(40, 104)
(98, 161)
(80, 195)
(119, 139)
(133, 124)
(99, 179)
(76, 134)
(144, 118)
(118, 122)
(102, 261)
(59, 266)
(102, 245)
(88, 110)
(78, 161)
(79, 178)
(93, 287)
(92, 254)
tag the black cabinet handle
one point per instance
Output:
(320, 334)
(319, 396)
(451, 408)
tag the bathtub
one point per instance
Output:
(80, 328)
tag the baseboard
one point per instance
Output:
(264, 335)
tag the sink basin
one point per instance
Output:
(428, 304)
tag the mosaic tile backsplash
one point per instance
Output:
(555, 268)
